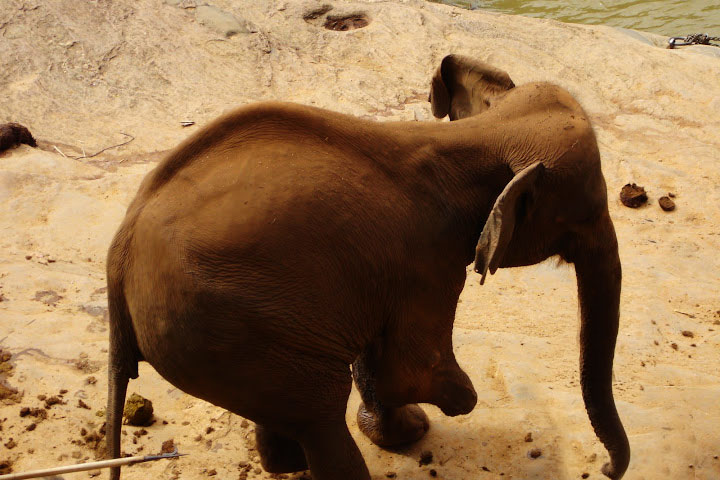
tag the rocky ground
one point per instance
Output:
(104, 87)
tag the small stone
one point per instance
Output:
(666, 204)
(83, 432)
(91, 380)
(138, 410)
(244, 424)
(671, 195)
(11, 444)
(433, 473)
(95, 473)
(28, 257)
(82, 404)
(585, 475)
(633, 196)
(528, 437)
(426, 457)
(31, 427)
(212, 473)
(674, 346)
(41, 397)
(535, 453)
(63, 391)
(390, 474)
(209, 430)
(688, 333)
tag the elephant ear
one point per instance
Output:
(439, 97)
(462, 87)
(499, 227)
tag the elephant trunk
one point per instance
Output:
(598, 271)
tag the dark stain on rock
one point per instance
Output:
(346, 22)
(317, 12)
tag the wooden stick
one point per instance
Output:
(81, 467)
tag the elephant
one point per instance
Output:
(284, 251)
(14, 134)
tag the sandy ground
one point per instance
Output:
(82, 75)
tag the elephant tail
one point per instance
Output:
(123, 351)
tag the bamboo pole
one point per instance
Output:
(81, 467)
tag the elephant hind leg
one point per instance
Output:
(332, 453)
(279, 454)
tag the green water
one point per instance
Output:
(664, 17)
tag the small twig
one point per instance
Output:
(60, 151)
(106, 148)
(116, 462)
(686, 314)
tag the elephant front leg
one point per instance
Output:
(385, 426)
(279, 454)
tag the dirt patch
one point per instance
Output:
(39, 413)
(48, 297)
(426, 458)
(94, 440)
(8, 394)
(85, 365)
(168, 446)
(5, 366)
(633, 196)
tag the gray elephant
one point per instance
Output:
(283, 243)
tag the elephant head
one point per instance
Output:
(463, 87)
(555, 204)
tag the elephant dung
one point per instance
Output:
(633, 196)
(138, 410)
(666, 204)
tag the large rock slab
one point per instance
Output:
(85, 75)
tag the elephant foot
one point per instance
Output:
(279, 454)
(393, 426)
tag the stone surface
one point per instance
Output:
(79, 75)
